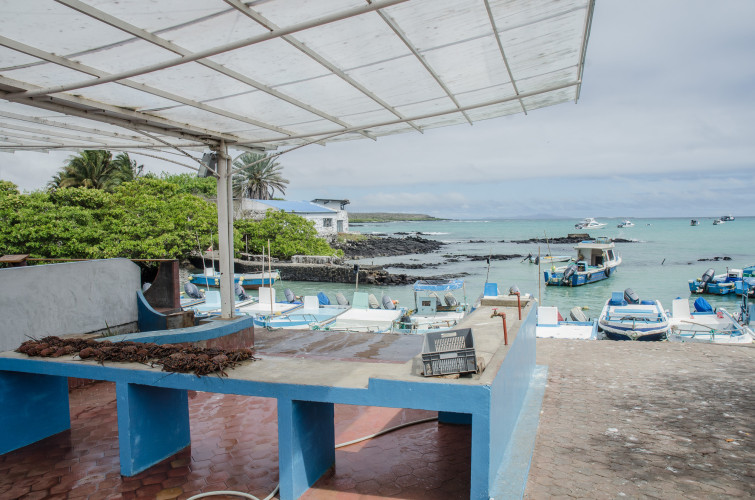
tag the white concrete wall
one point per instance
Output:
(60, 299)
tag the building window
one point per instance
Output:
(327, 223)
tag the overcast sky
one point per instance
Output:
(665, 126)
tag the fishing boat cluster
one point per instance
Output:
(626, 317)
(442, 304)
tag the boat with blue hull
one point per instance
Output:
(596, 260)
(626, 317)
(717, 284)
(250, 281)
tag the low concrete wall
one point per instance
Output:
(69, 298)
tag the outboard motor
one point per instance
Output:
(290, 297)
(702, 305)
(192, 291)
(706, 278)
(513, 290)
(569, 271)
(631, 296)
(341, 299)
(577, 314)
(372, 301)
(537, 260)
(323, 299)
(240, 292)
(450, 300)
(388, 303)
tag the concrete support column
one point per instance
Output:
(153, 424)
(306, 445)
(34, 407)
(225, 233)
(481, 479)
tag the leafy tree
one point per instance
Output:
(289, 235)
(258, 181)
(96, 169)
(191, 184)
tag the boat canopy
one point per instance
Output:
(438, 285)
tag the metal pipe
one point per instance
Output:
(505, 331)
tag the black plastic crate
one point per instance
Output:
(449, 352)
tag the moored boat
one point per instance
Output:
(694, 222)
(547, 259)
(596, 260)
(626, 317)
(625, 223)
(550, 324)
(431, 313)
(727, 218)
(705, 324)
(716, 284)
(364, 315)
(250, 281)
(717, 222)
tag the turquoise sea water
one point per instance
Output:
(658, 264)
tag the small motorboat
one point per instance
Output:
(550, 324)
(311, 313)
(705, 324)
(727, 218)
(716, 284)
(250, 281)
(694, 222)
(596, 261)
(589, 223)
(717, 222)
(364, 315)
(625, 223)
(431, 312)
(626, 317)
(547, 259)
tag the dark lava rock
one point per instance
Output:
(387, 247)
(572, 238)
(713, 259)
(494, 257)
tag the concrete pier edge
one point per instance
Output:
(511, 478)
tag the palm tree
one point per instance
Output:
(258, 180)
(96, 169)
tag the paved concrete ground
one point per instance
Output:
(645, 420)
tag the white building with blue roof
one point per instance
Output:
(328, 221)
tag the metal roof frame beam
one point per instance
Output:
(405, 39)
(381, 4)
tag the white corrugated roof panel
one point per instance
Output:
(277, 72)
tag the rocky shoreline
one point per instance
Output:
(380, 246)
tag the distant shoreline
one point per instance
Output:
(364, 217)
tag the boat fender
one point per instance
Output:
(192, 291)
(608, 272)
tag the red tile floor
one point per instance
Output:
(234, 447)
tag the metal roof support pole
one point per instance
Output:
(225, 233)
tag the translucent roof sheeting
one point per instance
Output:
(146, 74)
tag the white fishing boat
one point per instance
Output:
(310, 314)
(705, 324)
(625, 317)
(364, 315)
(550, 324)
(431, 312)
(596, 261)
(589, 223)
(625, 223)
